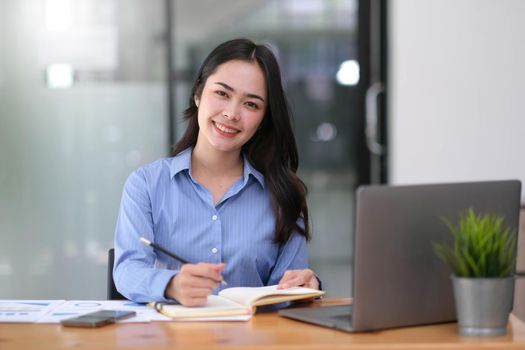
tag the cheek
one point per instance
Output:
(200, 117)
(204, 112)
(210, 107)
(257, 121)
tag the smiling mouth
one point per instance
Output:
(225, 129)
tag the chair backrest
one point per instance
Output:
(113, 293)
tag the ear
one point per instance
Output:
(197, 100)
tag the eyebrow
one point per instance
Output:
(228, 87)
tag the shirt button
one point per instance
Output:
(214, 217)
(214, 250)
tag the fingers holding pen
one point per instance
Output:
(207, 271)
(192, 285)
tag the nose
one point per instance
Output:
(231, 112)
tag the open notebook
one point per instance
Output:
(237, 303)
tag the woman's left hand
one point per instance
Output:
(299, 278)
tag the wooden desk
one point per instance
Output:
(264, 331)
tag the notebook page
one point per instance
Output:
(249, 295)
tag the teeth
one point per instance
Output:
(225, 129)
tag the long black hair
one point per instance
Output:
(272, 150)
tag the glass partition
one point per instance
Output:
(82, 104)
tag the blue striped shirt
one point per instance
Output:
(163, 203)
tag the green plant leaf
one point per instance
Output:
(481, 247)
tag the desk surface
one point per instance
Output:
(263, 331)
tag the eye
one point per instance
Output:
(221, 93)
(252, 105)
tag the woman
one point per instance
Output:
(229, 200)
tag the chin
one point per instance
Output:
(224, 144)
(226, 148)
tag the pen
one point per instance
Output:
(168, 253)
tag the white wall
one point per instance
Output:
(457, 90)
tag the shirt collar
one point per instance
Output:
(182, 161)
(250, 170)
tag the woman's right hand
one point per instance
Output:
(194, 282)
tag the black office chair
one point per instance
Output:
(113, 293)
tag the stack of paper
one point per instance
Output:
(54, 311)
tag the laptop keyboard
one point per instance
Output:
(343, 317)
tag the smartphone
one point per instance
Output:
(98, 318)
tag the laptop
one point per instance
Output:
(398, 280)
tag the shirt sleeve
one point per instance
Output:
(293, 255)
(134, 272)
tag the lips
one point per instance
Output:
(224, 130)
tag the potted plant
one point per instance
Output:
(482, 260)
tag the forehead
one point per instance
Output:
(245, 77)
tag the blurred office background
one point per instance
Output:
(92, 89)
